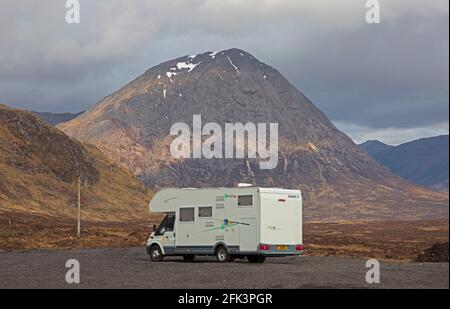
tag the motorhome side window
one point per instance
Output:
(205, 211)
(166, 225)
(187, 214)
(245, 200)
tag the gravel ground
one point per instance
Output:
(131, 268)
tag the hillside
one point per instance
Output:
(424, 162)
(39, 168)
(338, 179)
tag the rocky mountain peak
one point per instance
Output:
(132, 126)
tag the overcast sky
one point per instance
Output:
(386, 81)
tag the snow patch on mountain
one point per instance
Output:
(182, 66)
(235, 67)
(170, 74)
(186, 65)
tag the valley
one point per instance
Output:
(353, 206)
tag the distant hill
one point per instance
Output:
(56, 118)
(424, 161)
(374, 147)
(39, 167)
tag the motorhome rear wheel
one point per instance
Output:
(222, 254)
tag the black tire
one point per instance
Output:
(222, 255)
(256, 259)
(189, 257)
(155, 253)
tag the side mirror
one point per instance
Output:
(154, 227)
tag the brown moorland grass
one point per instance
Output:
(387, 240)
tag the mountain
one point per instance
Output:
(39, 168)
(339, 180)
(56, 118)
(373, 147)
(423, 161)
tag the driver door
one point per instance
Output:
(166, 233)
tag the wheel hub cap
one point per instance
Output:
(155, 254)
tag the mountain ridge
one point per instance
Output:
(56, 118)
(423, 161)
(374, 146)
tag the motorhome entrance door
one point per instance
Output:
(247, 234)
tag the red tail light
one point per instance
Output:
(264, 247)
(299, 247)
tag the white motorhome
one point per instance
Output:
(229, 223)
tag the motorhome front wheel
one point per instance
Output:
(156, 254)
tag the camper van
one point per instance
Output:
(242, 222)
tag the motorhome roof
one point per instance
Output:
(215, 188)
(164, 200)
(262, 189)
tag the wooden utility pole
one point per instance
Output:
(79, 208)
(85, 203)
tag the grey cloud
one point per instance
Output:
(391, 75)
(392, 135)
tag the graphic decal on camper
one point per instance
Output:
(226, 224)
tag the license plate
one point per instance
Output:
(282, 247)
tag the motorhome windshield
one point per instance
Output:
(166, 225)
